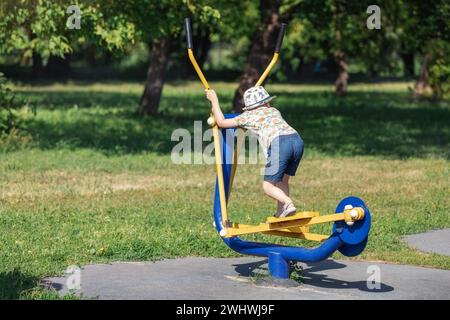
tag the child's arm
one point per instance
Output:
(217, 112)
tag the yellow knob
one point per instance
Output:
(353, 214)
(211, 121)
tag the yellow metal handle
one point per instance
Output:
(267, 71)
(197, 69)
(217, 147)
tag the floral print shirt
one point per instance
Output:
(266, 122)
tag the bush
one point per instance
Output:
(439, 76)
(8, 104)
(12, 129)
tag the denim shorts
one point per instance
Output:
(284, 155)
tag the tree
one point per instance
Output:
(326, 30)
(430, 34)
(156, 22)
(159, 23)
(261, 46)
(335, 33)
(344, 34)
(37, 29)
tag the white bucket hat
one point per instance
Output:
(255, 97)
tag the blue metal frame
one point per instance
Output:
(278, 255)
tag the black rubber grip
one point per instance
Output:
(187, 29)
(280, 37)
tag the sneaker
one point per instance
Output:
(277, 215)
(288, 210)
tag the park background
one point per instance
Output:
(86, 117)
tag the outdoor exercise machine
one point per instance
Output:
(351, 218)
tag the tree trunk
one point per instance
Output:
(340, 56)
(261, 50)
(160, 50)
(341, 83)
(408, 64)
(422, 84)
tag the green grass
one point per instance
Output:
(95, 183)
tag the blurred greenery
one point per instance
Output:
(367, 122)
(96, 182)
(440, 69)
(8, 105)
(118, 36)
(85, 179)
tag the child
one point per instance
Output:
(282, 145)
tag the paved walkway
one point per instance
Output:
(436, 241)
(234, 278)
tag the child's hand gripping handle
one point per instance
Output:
(211, 96)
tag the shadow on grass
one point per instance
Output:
(14, 283)
(363, 123)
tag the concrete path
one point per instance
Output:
(435, 241)
(234, 278)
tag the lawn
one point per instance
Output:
(94, 182)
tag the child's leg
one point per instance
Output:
(275, 192)
(284, 186)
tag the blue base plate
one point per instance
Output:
(352, 250)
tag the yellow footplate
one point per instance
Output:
(297, 216)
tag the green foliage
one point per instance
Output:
(427, 31)
(8, 117)
(103, 25)
(40, 27)
(154, 19)
(325, 28)
(429, 21)
(28, 27)
(439, 75)
(238, 19)
(407, 27)
(296, 272)
(231, 30)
